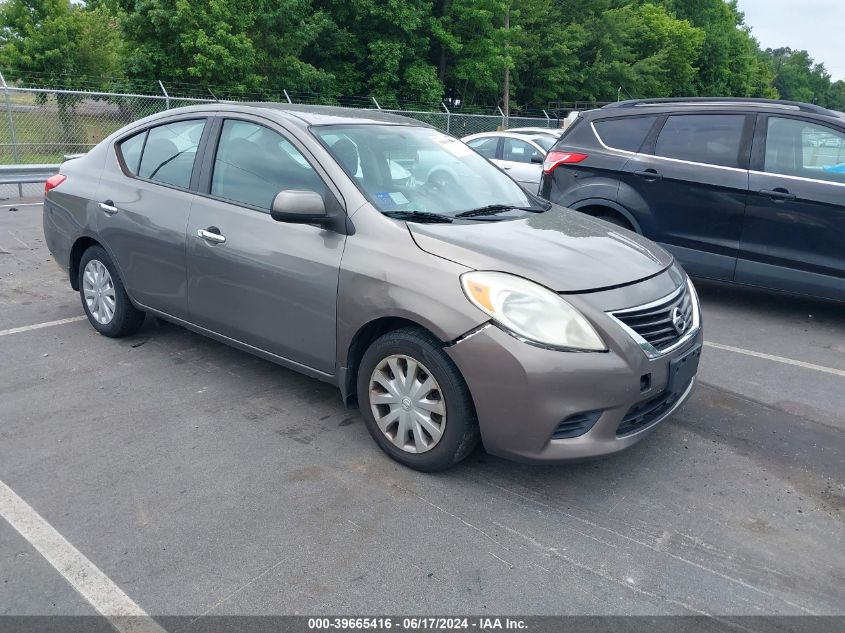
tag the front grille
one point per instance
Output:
(576, 425)
(654, 322)
(644, 413)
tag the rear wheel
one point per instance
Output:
(104, 298)
(415, 402)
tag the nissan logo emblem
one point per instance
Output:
(679, 320)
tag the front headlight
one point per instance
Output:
(530, 311)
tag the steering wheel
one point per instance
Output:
(441, 181)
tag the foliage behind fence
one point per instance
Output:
(42, 125)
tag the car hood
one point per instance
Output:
(562, 249)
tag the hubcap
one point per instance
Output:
(407, 404)
(98, 290)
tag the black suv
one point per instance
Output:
(743, 190)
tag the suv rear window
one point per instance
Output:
(627, 133)
(713, 139)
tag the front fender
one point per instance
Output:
(385, 274)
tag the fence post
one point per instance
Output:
(287, 96)
(448, 118)
(504, 119)
(376, 102)
(166, 96)
(14, 140)
(548, 120)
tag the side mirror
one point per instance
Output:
(536, 159)
(299, 207)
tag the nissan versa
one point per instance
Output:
(378, 254)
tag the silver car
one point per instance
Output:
(518, 154)
(318, 239)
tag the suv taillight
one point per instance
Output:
(557, 157)
(53, 182)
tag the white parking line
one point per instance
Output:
(22, 204)
(83, 575)
(38, 326)
(777, 359)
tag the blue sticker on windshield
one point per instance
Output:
(386, 199)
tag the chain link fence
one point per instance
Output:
(42, 125)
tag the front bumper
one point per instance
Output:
(523, 392)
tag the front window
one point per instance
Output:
(800, 148)
(414, 169)
(254, 163)
(520, 152)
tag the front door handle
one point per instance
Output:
(211, 234)
(649, 174)
(778, 195)
(108, 207)
(506, 167)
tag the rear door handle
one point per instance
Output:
(649, 174)
(212, 234)
(108, 207)
(778, 195)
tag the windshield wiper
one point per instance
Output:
(492, 209)
(417, 216)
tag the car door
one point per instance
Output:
(688, 187)
(523, 161)
(793, 236)
(267, 284)
(145, 201)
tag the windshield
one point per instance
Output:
(415, 169)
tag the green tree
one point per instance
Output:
(798, 77)
(642, 49)
(379, 48)
(184, 41)
(64, 44)
(730, 62)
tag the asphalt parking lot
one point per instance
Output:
(202, 480)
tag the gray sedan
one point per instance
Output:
(450, 310)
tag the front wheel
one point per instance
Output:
(415, 402)
(104, 298)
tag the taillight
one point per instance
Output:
(53, 182)
(556, 157)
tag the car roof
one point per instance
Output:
(508, 134)
(300, 115)
(537, 130)
(638, 107)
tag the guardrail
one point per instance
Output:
(25, 174)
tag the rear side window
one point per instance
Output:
(130, 150)
(169, 152)
(627, 133)
(805, 149)
(254, 163)
(485, 146)
(713, 139)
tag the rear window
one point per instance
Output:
(169, 152)
(164, 153)
(130, 151)
(713, 139)
(627, 133)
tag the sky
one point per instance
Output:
(817, 26)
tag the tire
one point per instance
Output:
(110, 312)
(458, 424)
